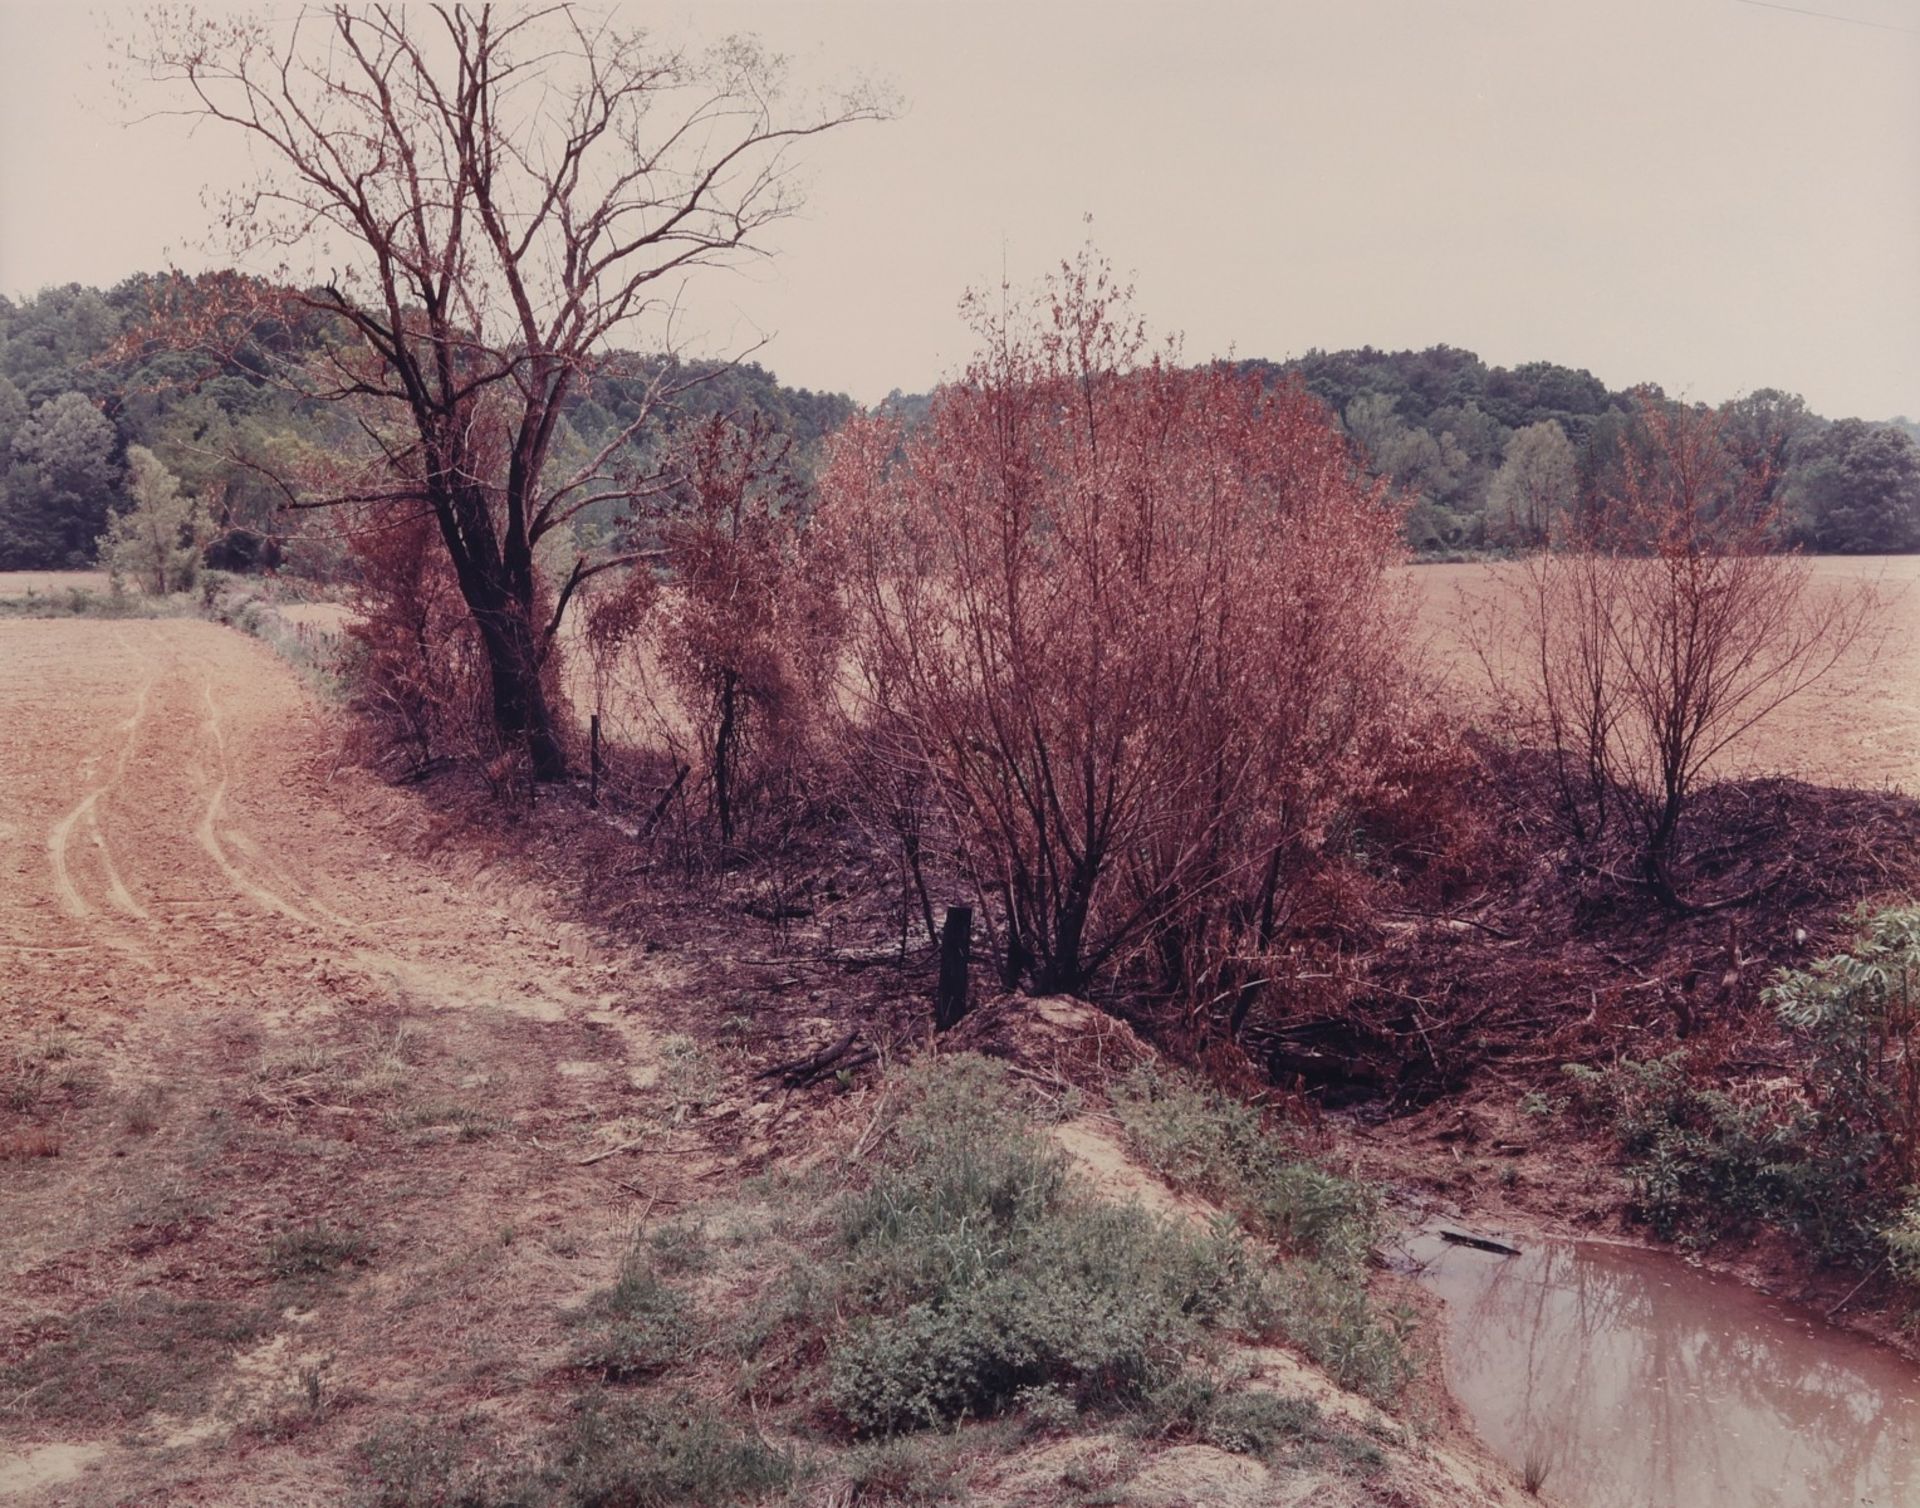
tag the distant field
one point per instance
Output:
(325, 617)
(44, 583)
(1861, 727)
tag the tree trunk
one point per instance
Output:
(521, 716)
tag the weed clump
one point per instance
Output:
(981, 1276)
(608, 1455)
(638, 1327)
(1200, 1139)
(1828, 1157)
(315, 1249)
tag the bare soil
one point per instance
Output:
(242, 1018)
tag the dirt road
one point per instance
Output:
(291, 1119)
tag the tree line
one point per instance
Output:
(1483, 455)
(84, 387)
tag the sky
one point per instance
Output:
(1714, 195)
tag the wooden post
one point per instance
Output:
(593, 795)
(956, 955)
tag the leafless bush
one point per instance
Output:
(725, 634)
(1671, 625)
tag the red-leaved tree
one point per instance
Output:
(1133, 623)
(733, 608)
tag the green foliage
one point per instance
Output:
(1536, 485)
(157, 541)
(60, 486)
(1198, 1138)
(1857, 1013)
(978, 1270)
(1451, 429)
(1902, 1237)
(1855, 488)
(638, 1327)
(1704, 1165)
(225, 431)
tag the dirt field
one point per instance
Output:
(45, 583)
(290, 1122)
(1860, 727)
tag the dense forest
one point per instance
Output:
(1475, 446)
(1480, 452)
(81, 386)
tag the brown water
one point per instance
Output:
(1644, 1383)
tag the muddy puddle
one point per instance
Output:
(1639, 1382)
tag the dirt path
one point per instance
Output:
(291, 1119)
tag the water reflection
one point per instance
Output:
(1646, 1384)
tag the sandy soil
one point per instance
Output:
(322, 617)
(1859, 727)
(240, 1020)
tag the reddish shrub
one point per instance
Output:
(731, 620)
(1133, 622)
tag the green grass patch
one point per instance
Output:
(1204, 1141)
(610, 1454)
(119, 1361)
(639, 1327)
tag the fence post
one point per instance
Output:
(593, 795)
(956, 955)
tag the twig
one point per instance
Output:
(1478, 1243)
(625, 1146)
(1871, 1271)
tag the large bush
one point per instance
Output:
(1131, 619)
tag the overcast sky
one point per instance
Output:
(1715, 195)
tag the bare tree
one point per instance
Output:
(506, 191)
(1676, 623)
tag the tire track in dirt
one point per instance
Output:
(60, 837)
(201, 905)
(207, 830)
(84, 819)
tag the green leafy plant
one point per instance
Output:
(638, 1327)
